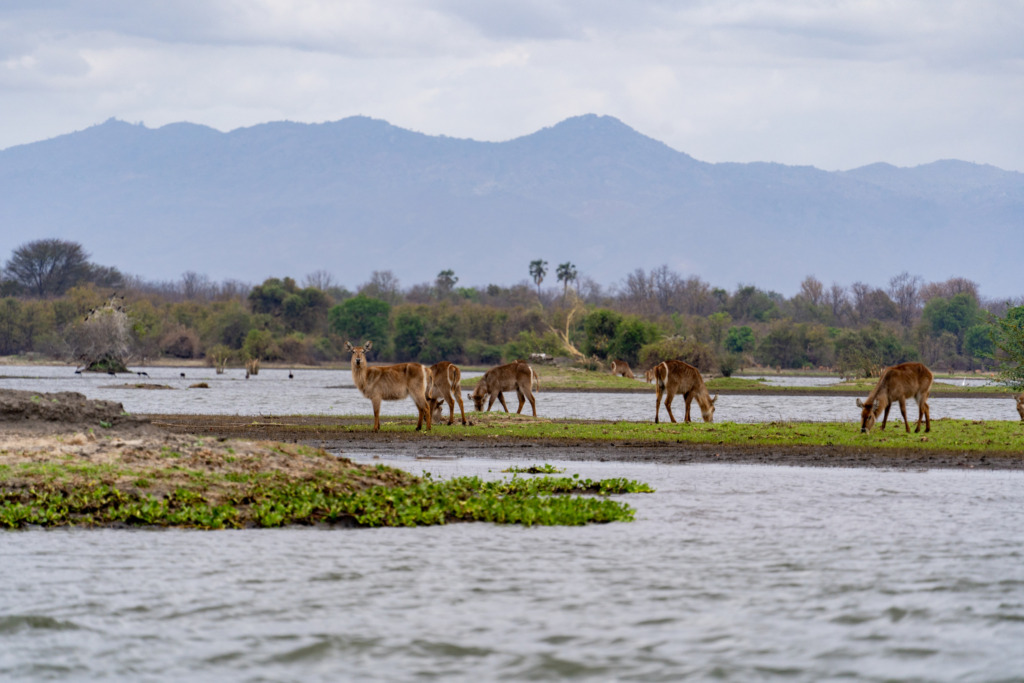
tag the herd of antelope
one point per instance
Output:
(430, 388)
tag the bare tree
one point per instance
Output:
(382, 285)
(195, 285)
(102, 341)
(320, 279)
(637, 293)
(948, 289)
(664, 284)
(837, 301)
(903, 290)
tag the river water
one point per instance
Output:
(332, 392)
(732, 573)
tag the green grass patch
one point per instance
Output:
(947, 435)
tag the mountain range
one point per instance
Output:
(358, 195)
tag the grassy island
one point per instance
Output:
(216, 484)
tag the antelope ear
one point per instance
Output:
(715, 398)
(860, 404)
(348, 346)
(368, 345)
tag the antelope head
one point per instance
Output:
(358, 352)
(868, 413)
(709, 413)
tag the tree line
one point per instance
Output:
(48, 288)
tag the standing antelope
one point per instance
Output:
(673, 377)
(390, 383)
(1020, 405)
(897, 384)
(446, 388)
(621, 367)
(518, 376)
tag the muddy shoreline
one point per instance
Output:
(332, 433)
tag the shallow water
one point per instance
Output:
(730, 572)
(331, 392)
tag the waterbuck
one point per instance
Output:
(676, 377)
(897, 384)
(517, 376)
(1020, 405)
(445, 388)
(390, 383)
(621, 367)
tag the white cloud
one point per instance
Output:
(833, 84)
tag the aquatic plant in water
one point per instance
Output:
(269, 503)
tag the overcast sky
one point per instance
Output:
(828, 83)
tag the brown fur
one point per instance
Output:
(674, 377)
(1020, 405)
(897, 384)
(621, 367)
(390, 383)
(445, 388)
(649, 374)
(517, 376)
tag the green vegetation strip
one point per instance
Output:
(945, 436)
(70, 494)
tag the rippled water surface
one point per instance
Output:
(730, 572)
(331, 392)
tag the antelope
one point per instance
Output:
(649, 374)
(518, 376)
(1020, 405)
(621, 367)
(445, 388)
(897, 384)
(391, 383)
(673, 377)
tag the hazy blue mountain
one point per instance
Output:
(358, 195)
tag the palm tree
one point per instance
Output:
(538, 269)
(566, 274)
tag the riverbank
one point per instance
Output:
(951, 443)
(68, 460)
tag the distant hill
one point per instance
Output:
(358, 195)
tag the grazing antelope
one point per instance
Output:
(518, 376)
(390, 383)
(674, 377)
(621, 367)
(1020, 405)
(446, 388)
(897, 384)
